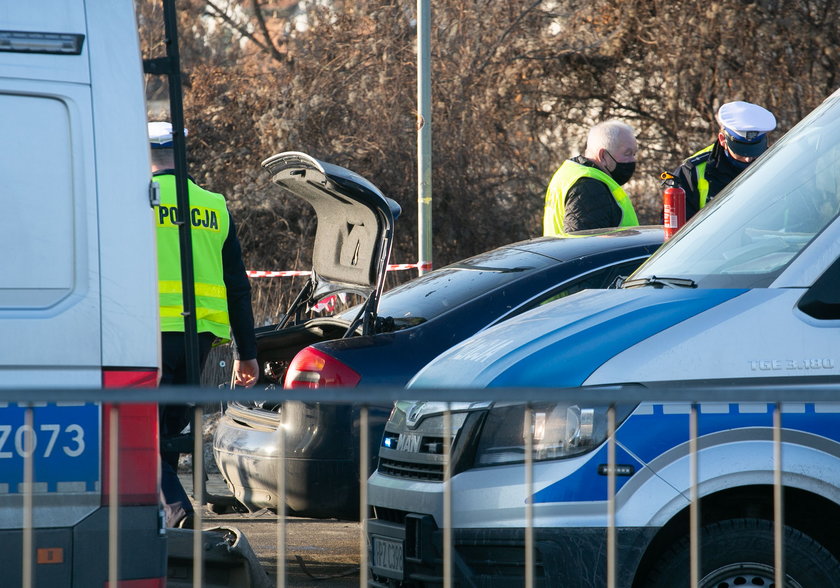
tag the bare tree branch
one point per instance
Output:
(242, 30)
(272, 49)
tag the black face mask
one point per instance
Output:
(623, 171)
(739, 165)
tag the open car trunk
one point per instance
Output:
(276, 347)
(350, 254)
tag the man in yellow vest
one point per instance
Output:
(222, 300)
(585, 192)
(742, 137)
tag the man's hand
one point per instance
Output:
(246, 372)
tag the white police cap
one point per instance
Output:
(160, 134)
(745, 126)
(743, 117)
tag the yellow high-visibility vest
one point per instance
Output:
(210, 223)
(700, 169)
(563, 179)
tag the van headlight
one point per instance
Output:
(557, 431)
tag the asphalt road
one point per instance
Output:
(319, 553)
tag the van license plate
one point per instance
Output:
(388, 555)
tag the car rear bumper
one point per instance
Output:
(321, 471)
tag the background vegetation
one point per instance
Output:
(516, 85)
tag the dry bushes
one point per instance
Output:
(516, 84)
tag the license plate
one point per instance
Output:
(63, 442)
(388, 556)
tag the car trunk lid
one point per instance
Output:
(354, 234)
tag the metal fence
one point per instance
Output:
(777, 393)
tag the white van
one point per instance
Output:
(747, 293)
(78, 291)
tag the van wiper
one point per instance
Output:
(660, 282)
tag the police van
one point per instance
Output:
(748, 291)
(78, 296)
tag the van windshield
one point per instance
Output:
(757, 225)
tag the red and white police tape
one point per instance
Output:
(283, 274)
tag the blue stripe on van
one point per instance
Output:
(654, 429)
(650, 435)
(588, 342)
(586, 484)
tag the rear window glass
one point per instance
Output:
(40, 221)
(438, 291)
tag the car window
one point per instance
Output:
(822, 300)
(762, 220)
(598, 279)
(437, 292)
(58, 235)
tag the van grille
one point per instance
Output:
(390, 515)
(429, 472)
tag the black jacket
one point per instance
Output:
(238, 289)
(719, 172)
(590, 204)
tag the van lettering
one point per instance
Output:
(479, 353)
(409, 443)
(810, 363)
(24, 440)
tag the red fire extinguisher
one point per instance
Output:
(673, 200)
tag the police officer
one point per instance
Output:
(742, 137)
(222, 300)
(585, 192)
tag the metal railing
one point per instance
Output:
(774, 392)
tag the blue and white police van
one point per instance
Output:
(78, 298)
(749, 290)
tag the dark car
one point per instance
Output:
(383, 341)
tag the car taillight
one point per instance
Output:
(312, 368)
(137, 441)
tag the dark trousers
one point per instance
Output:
(174, 418)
